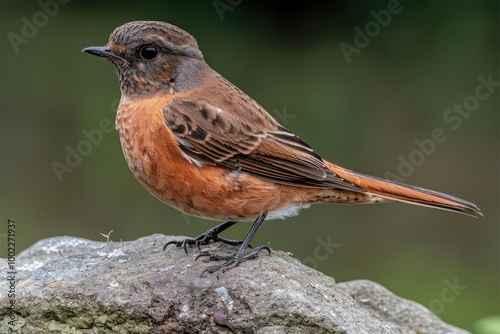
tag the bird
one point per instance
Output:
(201, 145)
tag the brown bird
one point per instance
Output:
(204, 147)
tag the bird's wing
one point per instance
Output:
(208, 135)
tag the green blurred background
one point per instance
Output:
(361, 115)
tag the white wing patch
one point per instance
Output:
(191, 160)
(195, 162)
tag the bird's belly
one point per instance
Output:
(207, 191)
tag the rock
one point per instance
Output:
(72, 285)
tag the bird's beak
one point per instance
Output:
(101, 51)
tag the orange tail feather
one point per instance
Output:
(408, 194)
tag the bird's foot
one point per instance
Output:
(231, 261)
(204, 238)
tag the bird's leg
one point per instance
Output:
(204, 238)
(241, 255)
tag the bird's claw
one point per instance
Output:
(231, 261)
(205, 238)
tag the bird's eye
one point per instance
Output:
(148, 52)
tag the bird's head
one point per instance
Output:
(152, 57)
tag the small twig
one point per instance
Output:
(49, 283)
(107, 235)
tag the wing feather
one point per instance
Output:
(212, 136)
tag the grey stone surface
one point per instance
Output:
(72, 285)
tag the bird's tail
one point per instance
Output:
(405, 193)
